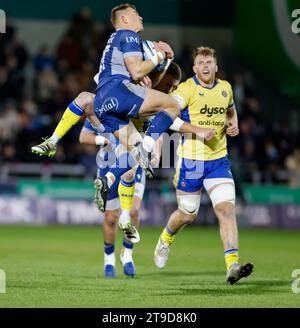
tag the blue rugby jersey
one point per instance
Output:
(121, 44)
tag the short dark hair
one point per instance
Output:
(174, 70)
(113, 15)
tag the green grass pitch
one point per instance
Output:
(61, 266)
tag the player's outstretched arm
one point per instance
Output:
(90, 138)
(184, 127)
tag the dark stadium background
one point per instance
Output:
(51, 51)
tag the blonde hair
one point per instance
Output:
(205, 51)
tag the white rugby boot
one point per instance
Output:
(161, 254)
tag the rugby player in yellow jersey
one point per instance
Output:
(206, 102)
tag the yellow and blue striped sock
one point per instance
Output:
(71, 116)
(168, 235)
(231, 256)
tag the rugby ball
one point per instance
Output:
(149, 51)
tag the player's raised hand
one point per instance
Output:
(232, 129)
(146, 82)
(163, 46)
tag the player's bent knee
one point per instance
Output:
(224, 192)
(189, 204)
(129, 175)
(85, 99)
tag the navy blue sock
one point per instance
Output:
(161, 122)
(109, 248)
(127, 244)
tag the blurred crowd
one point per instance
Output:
(35, 90)
(265, 149)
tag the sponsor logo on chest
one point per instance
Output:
(132, 39)
(209, 111)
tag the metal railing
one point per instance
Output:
(43, 171)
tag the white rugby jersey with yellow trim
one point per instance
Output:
(207, 108)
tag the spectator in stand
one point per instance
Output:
(43, 59)
(47, 87)
(70, 50)
(9, 124)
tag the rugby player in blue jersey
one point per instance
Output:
(119, 98)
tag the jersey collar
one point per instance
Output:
(197, 82)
